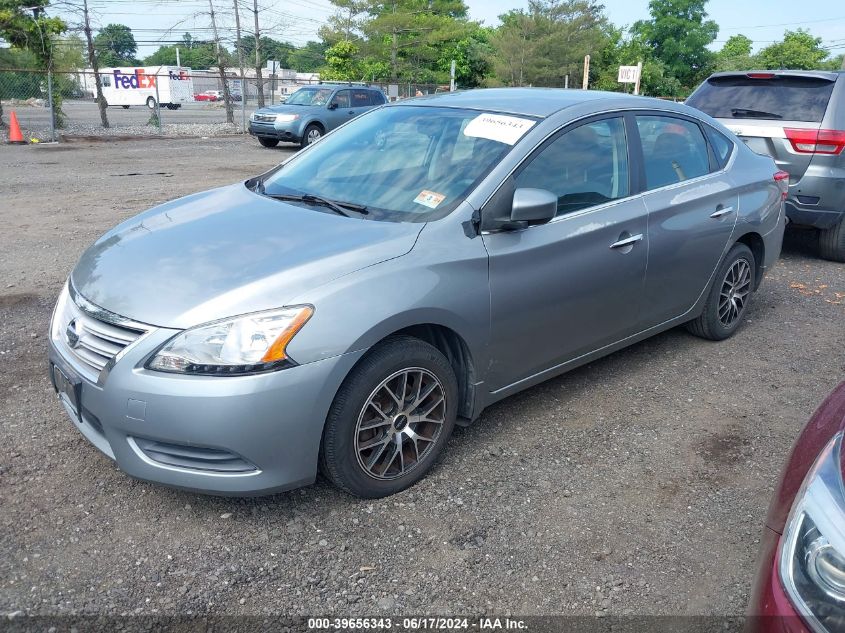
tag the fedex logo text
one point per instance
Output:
(139, 80)
(180, 76)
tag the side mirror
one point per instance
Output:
(333, 105)
(532, 206)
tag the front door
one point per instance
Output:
(562, 289)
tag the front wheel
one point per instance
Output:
(729, 296)
(268, 142)
(312, 134)
(832, 242)
(390, 419)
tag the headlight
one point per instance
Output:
(286, 118)
(242, 345)
(812, 557)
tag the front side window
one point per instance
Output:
(583, 167)
(674, 150)
(341, 99)
(310, 97)
(404, 164)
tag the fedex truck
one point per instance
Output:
(142, 85)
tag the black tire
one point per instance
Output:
(709, 325)
(832, 242)
(151, 103)
(268, 142)
(339, 452)
(126, 107)
(308, 136)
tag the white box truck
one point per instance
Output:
(136, 86)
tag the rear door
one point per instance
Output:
(692, 211)
(764, 109)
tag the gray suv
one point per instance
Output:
(311, 112)
(797, 118)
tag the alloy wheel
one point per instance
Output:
(400, 423)
(313, 135)
(734, 293)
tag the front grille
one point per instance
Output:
(88, 336)
(194, 457)
(265, 118)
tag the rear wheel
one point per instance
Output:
(268, 142)
(151, 103)
(390, 419)
(729, 296)
(832, 242)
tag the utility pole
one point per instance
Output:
(259, 81)
(92, 59)
(240, 64)
(586, 81)
(221, 66)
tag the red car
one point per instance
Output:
(209, 95)
(800, 586)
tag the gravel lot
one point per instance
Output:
(637, 484)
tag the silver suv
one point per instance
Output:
(797, 118)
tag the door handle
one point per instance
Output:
(718, 213)
(628, 241)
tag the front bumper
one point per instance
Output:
(268, 425)
(290, 132)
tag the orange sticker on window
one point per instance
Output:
(429, 199)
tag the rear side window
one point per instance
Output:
(781, 97)
(674, 150)
(376, 98)
(721, 144)
(361, 98)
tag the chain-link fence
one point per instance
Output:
(148, 101)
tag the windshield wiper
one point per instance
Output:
(742, 113)
(337, 206)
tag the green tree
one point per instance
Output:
(115, 46)
(655, 80)
(309, 58)
(25, 25)
(472, 54)
(199, 55)
(799, 50)
(678, 34)
(270, 49)
(734, 55)
(541, 45)
(342, 62)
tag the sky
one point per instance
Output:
(162, 21)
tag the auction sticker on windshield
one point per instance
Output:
(498, 127)
(429, 199)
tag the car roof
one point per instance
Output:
(535, 102)
(820, 74)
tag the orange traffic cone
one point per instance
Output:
(15, 135)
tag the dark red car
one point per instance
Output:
(800, 586)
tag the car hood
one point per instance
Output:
(301, 109)
(225, 252)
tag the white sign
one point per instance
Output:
(628, 74)
(498, 127)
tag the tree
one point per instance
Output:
(25, 25)
(342, 62)
(309, 58)
(115, 46)
(678, 35)
(734, 55)
(799, 50)
(542, 45)
(198, 55)
(472, 55)
(269, 49)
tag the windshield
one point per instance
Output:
(406, 163)
(310, 96)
